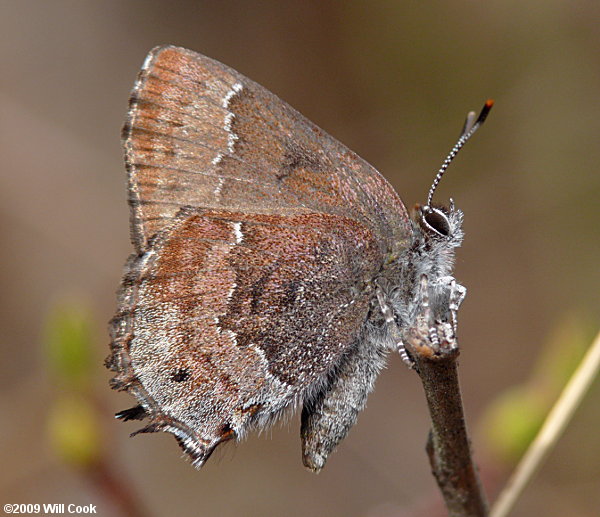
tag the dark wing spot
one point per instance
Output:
(290, 293)
(180, 375)
(297, 157)
(257, 289)
(226, 432)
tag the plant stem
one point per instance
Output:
(448, 445)
(433, 347)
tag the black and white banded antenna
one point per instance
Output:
(472, 124)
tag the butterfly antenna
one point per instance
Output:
(472, 124)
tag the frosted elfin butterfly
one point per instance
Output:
(272, 266)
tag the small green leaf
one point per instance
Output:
(73, 430)
(512, 421)
(68, 340)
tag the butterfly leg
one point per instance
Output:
(393, 329)
(431, 333)
(404, 355)
(457, 293)
(332, 411)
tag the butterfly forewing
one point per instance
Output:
(200, 134)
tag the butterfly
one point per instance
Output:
(272, 267)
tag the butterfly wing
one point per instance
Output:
(229, 318)
(200, 134)
(258, 237)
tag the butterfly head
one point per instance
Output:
(439, 223)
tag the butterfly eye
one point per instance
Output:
(436, 221)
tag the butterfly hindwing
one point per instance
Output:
(229, 318)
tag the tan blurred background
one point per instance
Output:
(393, 81)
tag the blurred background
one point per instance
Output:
(391, 80)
